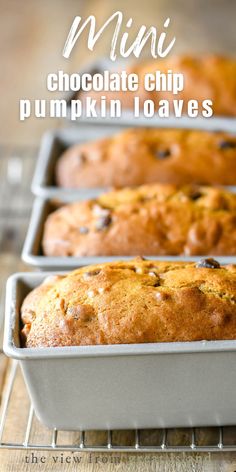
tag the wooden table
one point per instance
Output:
(32, 35)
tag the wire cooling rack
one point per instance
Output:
(164, 440)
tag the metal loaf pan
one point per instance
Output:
(123, 386)
(32, 251)
(127, 118)
(55, 142)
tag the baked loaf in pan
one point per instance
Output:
(146, 155)
(210, 77)
(149, 220)
(139, 301)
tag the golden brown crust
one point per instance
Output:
(210, 77)
(137, 301)
(146, 155)
(149, 220)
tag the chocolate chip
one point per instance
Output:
(90, 273)
(103, 222)
(208, 264)
(83, 230)
(227, 145)
(145, 199)
(162, 153)
(195, 195)
(82, 157)
(162, 296)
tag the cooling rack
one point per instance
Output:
(163, 440)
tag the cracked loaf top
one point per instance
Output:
(138, 301)
(149, 220)
(145, 155)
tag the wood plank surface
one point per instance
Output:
(32, 34)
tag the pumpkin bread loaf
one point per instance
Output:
(148, 220)
(146, 155)
(138, 301)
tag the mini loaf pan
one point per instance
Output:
(127, 118)
(55, 142)
(32, 251)
(123, 386)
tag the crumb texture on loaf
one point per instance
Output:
(149, 220)
(146, 155)
(138, 301)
